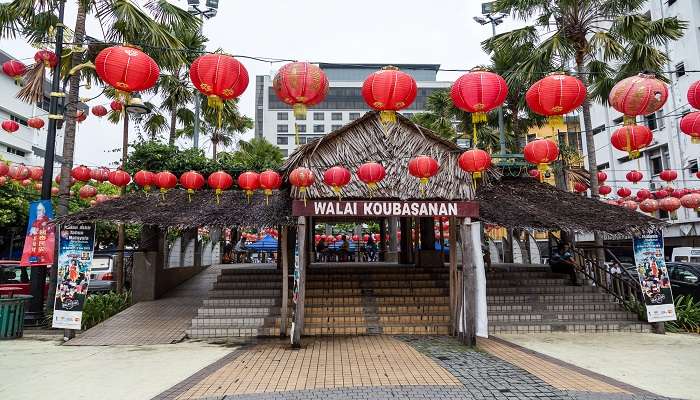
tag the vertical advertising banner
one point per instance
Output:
(39, 244)
(75, 251)
(653, 276)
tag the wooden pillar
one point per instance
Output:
(427, 233)
(467, 332)
(455, 283)
(382, 239)
(283, 257)
(404, 256)
(299, 307)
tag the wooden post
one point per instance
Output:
(382, 240)
(454, 283)
(468, 332)
(299, 307)
(284, 258)
(404, 256)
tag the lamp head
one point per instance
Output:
(137, 106)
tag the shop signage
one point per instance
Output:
(75, 252)
(385, 208)
(653, 276)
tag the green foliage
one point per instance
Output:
(106, 235)
(100, 307)
(14, 204)
(256, 155)
(687, 315)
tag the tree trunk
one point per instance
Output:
(70, 111)
(173, 128)
(214, 142)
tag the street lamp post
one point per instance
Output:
(494, 19)
(212, 7)
(35, 314)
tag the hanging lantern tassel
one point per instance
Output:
(479, 117)
(218, 195)
(543, 168)
(423, 183)
(268, 193)
(387, 116)
(162, 193)
(215, 101)
(189, 195)
(629, 120)
(337, 190)
(299, 110)
(372, 186)
(248, 194)
(302, 191)
(296, 134)
(474, 132)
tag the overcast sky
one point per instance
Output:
(359, 31)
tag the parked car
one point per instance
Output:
(685, 279)
(101, 274)
(686, 255)
(12, 275)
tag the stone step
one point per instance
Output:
(541, 290)
(241, 302)
(569, 326)
(426, 291)
(526, 282)
(249, 271)
(203, 333)
(493, 299)
(313, 277)
(235, 293)
(376, 284)
(236, 322)
(522, 268)
(381, 300)
(544, 307)
(250, 278)
(523, 275)
(236, 311)
(248, 285)
(391, 329)
(563, 316)
(396, 309)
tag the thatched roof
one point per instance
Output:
(177, 211)
(367, 139)
(528, 204)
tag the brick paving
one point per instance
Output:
(384, 367)
(162, 321)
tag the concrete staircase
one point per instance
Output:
(243, 302)
(530, 298)
(376, 299)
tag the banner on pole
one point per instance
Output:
(39, 244)
(75, 252)
(653, 276)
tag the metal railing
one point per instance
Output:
(622, 285)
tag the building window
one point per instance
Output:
(408, 115)
(302, 140)
(301, 128)
(318, 128)
(651, 122)
(618, 121)
(18, 120)
(354, 116)
(282, 128)
(336, 127)
(282, 140)
(693, 166)
(16, 152)
(680, 69)
(664, 214)
(282, 116)
(301, 118)
(285, 152)
(603, 166)
(658, 160)
(318, 116)
(670, 2)
(336, 116)
(598, 129)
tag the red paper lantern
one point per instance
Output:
(535, 173)
(4, 168)
(249, 181)
(602, 177)
(649, 205)
(660, 194)
(697, 174)
(145, 179)
(127, 69)
(99, 111)
(300, 85)
(630, 205)
(191, 180)
(54, 191)
(220, 77)
(302, 178)
(35, 173)
(219, 181)
(634, 176)
(336, 177)
(10, 126)
(116, 106)
(14, 69)
(580, 187)
(541, 152)
(624, 192)
(475, 161)
(668, 175)
(26, 182)
(691, 200)
(690, 125)
(631, 138)
(18, 172)
(80, 116)
(371, 173)
(101, 198)
(555, 95)
(35, 122)
(678, 193)
(643, 194)
(46, 57)
(58, 180)
(81, 173)
(165, 181)
(638, 95)
(87, 191)
(479, 92)
(669, 204)
(120, 178)
(269, 181)
(423, 168)
(100, 174)
(604, 190)
(694, 95)
(389, 90)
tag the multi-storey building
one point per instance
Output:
(670, 149)
(27, 145)
(275, 121)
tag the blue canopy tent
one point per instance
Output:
(268, 243)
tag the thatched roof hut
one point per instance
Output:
(367, 139)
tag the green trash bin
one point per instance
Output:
(12, 316)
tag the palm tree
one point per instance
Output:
(256, 155)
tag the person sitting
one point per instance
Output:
(344, 249)
(371, 249)
(562, 262)
(321, 250)
(228, 253)
(241, 251)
